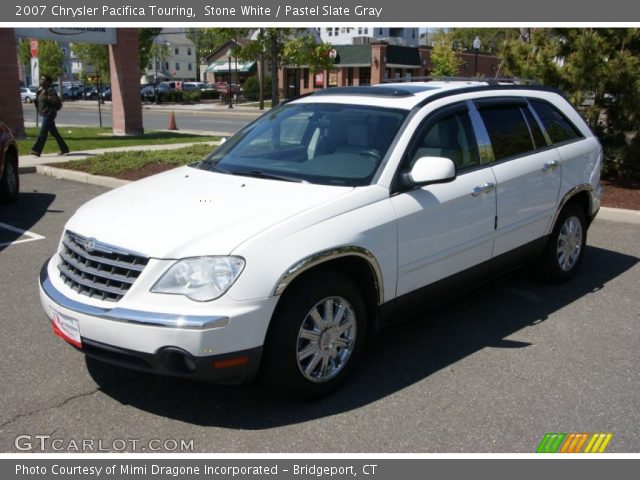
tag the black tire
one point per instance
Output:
(281, 367)
(10, 181)
(554, 264)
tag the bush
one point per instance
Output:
(173, 96)
(251, 88)
(209, 95)
(192, 96)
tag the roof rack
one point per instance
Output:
(489, 81)
(383, 91)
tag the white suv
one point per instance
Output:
(320, 222)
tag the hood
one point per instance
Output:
(189, 212)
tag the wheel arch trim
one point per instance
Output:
(324, 256)
(585, 187)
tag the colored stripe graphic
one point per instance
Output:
(598, 443)
(574, 442)
(550, 442)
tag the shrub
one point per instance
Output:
(209, 95)
(251, 88)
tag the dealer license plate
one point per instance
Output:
(67, 329)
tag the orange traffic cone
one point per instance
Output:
(172, 122)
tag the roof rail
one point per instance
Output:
(488, 81)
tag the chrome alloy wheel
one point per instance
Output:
(326, 339)
(569, 243)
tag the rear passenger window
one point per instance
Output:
(508, 131)
(554, 122)
(451, 137)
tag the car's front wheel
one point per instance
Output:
(316, 337)
(10, 181)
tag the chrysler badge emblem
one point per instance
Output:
(89, 244)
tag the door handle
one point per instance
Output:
(548, 166)
(485, 187)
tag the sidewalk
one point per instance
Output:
(241, 110)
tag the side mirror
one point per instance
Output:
(222, 140)
(427, 170)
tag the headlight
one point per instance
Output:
(200, 278)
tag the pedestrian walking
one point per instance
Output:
(48, 103)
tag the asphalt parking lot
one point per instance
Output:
(491, 372)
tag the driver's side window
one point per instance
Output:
(449, 137)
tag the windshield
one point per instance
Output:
(330, 144)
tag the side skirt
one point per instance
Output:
(443, 290)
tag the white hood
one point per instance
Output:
(190, 212)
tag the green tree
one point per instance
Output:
(599, 69)
(94, 55)
(51, 58)
(146, 36)
(159, 52)
(444, 61)
(24, 52)
(205, 40)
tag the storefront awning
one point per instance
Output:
(223, 66)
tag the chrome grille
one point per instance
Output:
(98, 270)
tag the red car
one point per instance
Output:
(9, 179)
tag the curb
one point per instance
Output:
(27, 169)
(64, 174)
(619, 215)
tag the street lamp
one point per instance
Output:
(476, 47)
(229, 54)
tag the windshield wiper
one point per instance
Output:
(270, 176)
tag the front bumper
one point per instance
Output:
(215, 348)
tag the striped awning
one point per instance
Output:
(223, 66)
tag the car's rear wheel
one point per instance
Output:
(317, 335)
(10, 181)
(564, 251)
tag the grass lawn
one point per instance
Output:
(89, 138)
(133, 165)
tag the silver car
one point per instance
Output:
(28, 94)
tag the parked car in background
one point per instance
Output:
(148, 93)
(9, 178)
(223, 88)
(91, 93)
(28, 94)
(171, 86)
(329, 218)
(193, 86)
(72, 92)
(105, 94)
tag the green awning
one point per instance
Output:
(223, 66)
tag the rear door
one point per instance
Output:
(527, 169)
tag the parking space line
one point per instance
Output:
(32, 236)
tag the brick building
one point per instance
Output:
(377, 63)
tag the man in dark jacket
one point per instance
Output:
(48, 103)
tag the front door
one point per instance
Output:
(445, 228)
